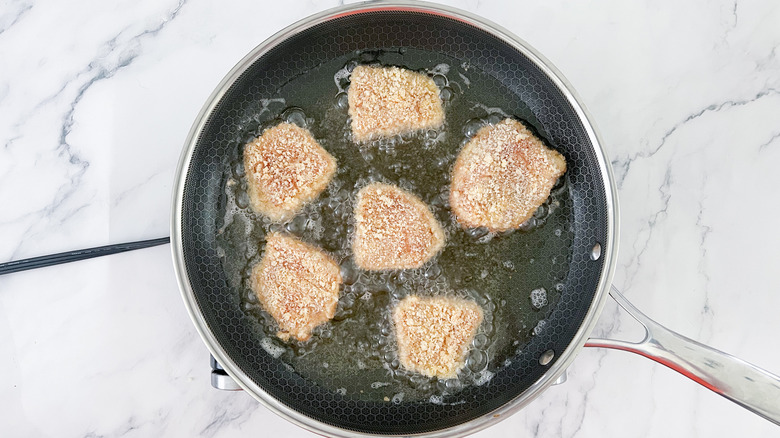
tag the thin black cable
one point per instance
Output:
(81, 254)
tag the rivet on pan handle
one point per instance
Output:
(747, 385)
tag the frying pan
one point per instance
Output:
(507, 73)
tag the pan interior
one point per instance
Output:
(348, 376)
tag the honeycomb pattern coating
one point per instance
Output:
(203, 200)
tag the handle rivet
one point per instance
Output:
(546, 357)
(595, 253)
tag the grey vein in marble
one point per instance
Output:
(735, 21)
(624, 165)
(235, 413)
(764, 63)
(592, 381)
(102, 67)
(771, 140)
(13, 16)
(641, 247)
(707, 312)
(119, 198)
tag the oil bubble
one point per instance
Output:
(417, 380)
(340, 211)
(433, 272)
(297, 225)
(442, 162)
(349, 273)
(404, 276)
(347, 302)
(477, 233)
(453, 385)
(540, 327)
(342, 195)
(539, 298)
(441, 69)
(446, 94)
(528, 225)
(476, 361)
(483, 377)
(495, 118)
(342, 101)
(342, 81)
(325, 331)
(295, 116)
(540, 212)
(238, 169)
(272, 347)
(399, 293)
(406, 136)
(242, 199)
(471, 127)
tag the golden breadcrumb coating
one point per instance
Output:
(393, 229)
(502, 175)
(285, 168)
(297, 284)
(434, 334)
(386, 101)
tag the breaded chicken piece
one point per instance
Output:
(285, 168)
(386, 101)
(434, 334)
(297, 284)
(502, 175)
(393, 229)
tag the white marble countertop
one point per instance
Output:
(96, 99)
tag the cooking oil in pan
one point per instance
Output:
(516, 277)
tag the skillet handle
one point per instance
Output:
(745, 384)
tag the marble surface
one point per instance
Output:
(97, 97)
